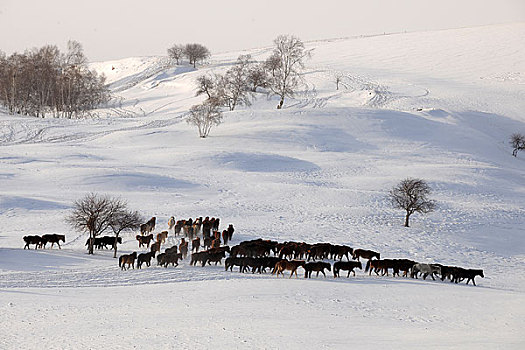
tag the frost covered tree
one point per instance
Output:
(205, 116)
(285, 65)
(176, 52)
(517, 141)
(196, 52)
(411, 195)
(95, 213)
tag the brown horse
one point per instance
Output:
(195, 244)
(161, 237)
(144, 240)
(148, 226)
(365, 254)
(231, 230)
(145, 258)
(288, 265)
(155, 247)
(216, 243)
(183, 248)
(225, 236)
(128, 259)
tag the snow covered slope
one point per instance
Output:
(435, 105)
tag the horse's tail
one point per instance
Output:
(120, 261)
(367, 265)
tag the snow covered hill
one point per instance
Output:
(436, 105)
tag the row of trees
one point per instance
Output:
(279, 74)
(193, 52)
(45, 81)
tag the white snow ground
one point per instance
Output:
(437, 105)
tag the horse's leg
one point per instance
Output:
(323, 273)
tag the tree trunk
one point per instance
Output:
(280, 105)
(91, 241)
(406, 219)
(115, 246)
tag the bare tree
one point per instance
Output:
(412, 196)
(123, 220)
(233, 87)
(517, 141)
(196, 52)
(206, 85)
(94, 214)
(205, 116)
(286, 64)
(338, 78)
(257, 77)
(176, 52)
(75, 54)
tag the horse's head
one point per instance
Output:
(360, 265)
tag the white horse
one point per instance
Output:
(171, 223)
(426, 269)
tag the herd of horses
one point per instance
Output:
(261, 255)
(257, 255)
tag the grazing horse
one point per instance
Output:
(346, 266)
(144, 240)
(36, 240)
(318, 266)
(161, 237)
(426, 269)
(128, 259)
(288, 265)
(53, 238)
(145, 258)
